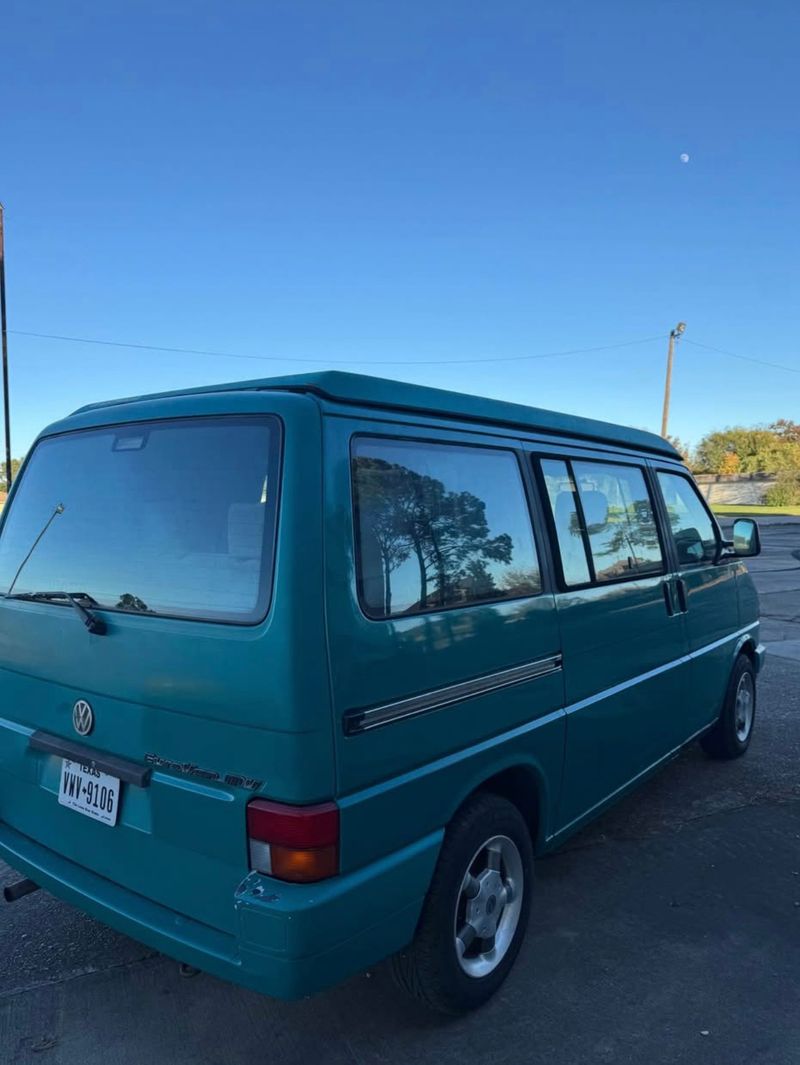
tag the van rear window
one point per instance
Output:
(166, 517)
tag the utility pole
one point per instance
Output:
(676, 334)
(4, 331)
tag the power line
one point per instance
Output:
(392, 362)
(744, 358)
(334, 362)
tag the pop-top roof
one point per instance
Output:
(366, 391)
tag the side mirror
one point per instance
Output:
(746, 540)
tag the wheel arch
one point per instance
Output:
(746, 644)
(523, 784)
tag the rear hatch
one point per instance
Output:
(165, 531)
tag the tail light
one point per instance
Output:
(299, 843)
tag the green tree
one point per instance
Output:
(683, 449)
(785, 492)
(15, 465)
(756, 450)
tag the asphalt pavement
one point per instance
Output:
(667, 932)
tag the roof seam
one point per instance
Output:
(465, 417)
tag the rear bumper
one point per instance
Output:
(292, 939)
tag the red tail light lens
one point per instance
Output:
(299, 843)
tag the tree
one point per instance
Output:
(380, 488)
(628, 528)
(407, 514)
(750, 450)
(785, 492)
(519, 581)
(786, 430)
(15, 465)
(683, 449)
(731, 463)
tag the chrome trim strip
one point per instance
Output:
(364, 720)
(356, 721)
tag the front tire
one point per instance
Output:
(476, 911)
(730, 737)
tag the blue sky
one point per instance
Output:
(362, 182)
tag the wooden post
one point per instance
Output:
(675, 334)
(3, 329)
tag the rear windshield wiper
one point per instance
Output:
(75, 599)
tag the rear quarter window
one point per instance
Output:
(439, 526)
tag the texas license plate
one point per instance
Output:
(89, 791)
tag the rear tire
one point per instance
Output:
(476, 911)
(730, 736)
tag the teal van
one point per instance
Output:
(299, 674)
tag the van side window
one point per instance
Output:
(605, 509)
(619, 518)
(438, 526)
(564, 506)
(692, 528)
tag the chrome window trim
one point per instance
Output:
(356, 721)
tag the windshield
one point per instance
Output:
(170, 517)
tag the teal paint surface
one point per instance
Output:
(610, 634)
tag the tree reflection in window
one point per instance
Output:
(427, 542)
(623, 535)
(620, 527)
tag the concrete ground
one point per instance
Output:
(668, 932)
(777, 574)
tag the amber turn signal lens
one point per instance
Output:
(304, 865)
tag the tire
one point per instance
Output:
(489, 840)
(730, 737)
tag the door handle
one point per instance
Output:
(666, 588)
(680, 585)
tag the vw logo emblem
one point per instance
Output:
(82, 718)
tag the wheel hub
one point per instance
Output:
(485, 910)
(488, 906)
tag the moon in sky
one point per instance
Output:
(684, 157)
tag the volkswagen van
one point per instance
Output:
(300, 674)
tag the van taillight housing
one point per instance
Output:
(299, 843)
